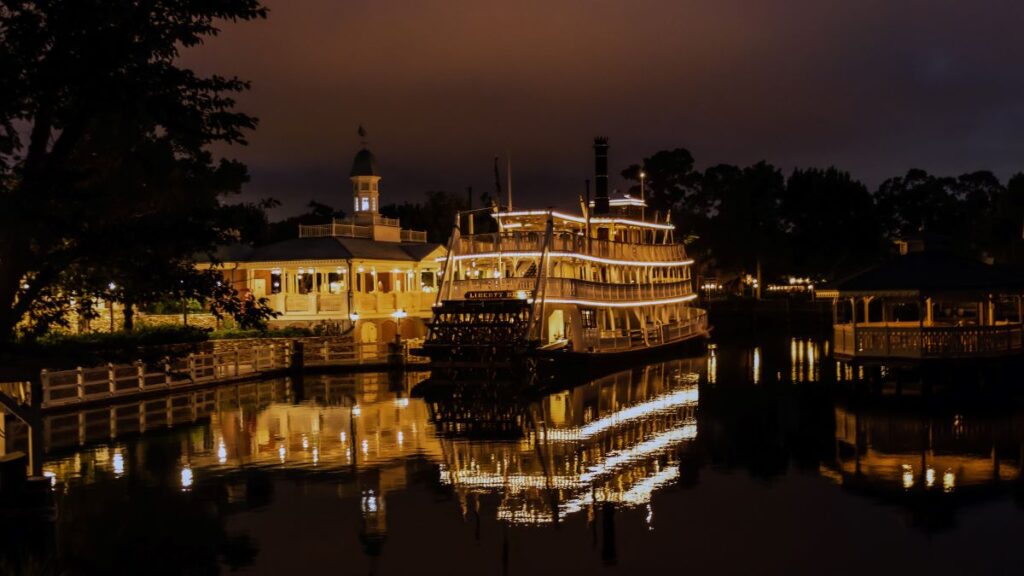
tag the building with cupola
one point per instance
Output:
(365, 272)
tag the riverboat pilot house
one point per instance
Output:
(365, 272)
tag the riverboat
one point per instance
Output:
(599, 286)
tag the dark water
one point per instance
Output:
(767, 460)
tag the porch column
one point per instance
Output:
(1020, 317)
(929, 307)
(867, 308)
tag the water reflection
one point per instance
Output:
(612, 441)
(237, 476)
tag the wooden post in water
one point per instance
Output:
(36, 446)
(297, 359)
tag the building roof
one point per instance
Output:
(930, 272)
(338, 248)
(364, 164)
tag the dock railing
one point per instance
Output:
(239, 360)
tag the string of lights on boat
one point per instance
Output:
(582, 220)
(567, 256)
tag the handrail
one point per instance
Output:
(64, 387)
(572, 243)
(574, 288)
(926, 341)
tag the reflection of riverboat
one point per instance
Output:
(613, 441)
(607, 283)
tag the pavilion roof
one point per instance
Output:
(929, 272)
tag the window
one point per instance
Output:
(365, 203)
(275, 282)
(364, 185)
(335, 283)
(427, 278)
(589, 317)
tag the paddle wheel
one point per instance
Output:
(475, 333)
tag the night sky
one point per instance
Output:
(872, 86)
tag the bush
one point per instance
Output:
(237, 334)
(58, 351)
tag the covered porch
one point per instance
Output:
(927, 306)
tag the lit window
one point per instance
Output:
(365, 203)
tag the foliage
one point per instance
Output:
(317, 213)
(436, 214)
(238, 333)
(150, 344)
(830, 223)
(670, 181)
(106, 174)
(822, 223)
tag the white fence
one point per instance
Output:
(244, 359)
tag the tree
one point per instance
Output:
(1008, 222)
(977, 194)
(105, 161)
(670, 181)
(917, 202)
(830, 222)
(435, 216)
(745, 227)
(317, 213)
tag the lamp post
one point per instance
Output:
(398, 315)
(110, 302)
(643, 207)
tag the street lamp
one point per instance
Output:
(643, 176)
(398, 315)
(110, 302)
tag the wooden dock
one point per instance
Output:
(228, 361)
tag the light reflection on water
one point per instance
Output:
(631, 445)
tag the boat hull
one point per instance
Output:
(560, 362)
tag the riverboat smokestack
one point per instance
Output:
(601, 176)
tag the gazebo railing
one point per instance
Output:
(903, 341)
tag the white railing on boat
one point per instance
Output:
(696, 322)
(564, 242)
(572, 288)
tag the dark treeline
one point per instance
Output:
(108, 186)
(823, 223)
(435, 215)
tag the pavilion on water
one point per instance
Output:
(927, 303)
